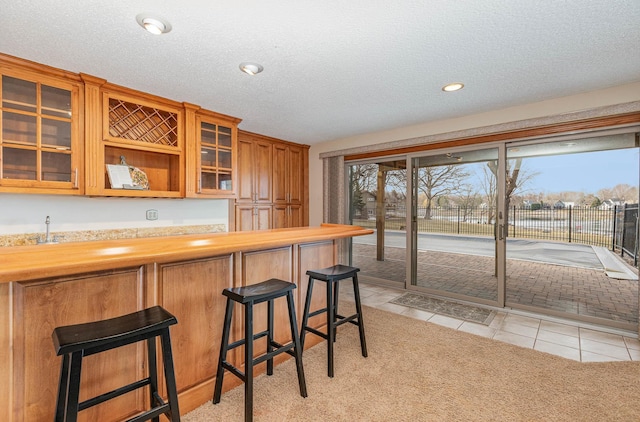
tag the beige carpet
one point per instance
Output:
(418, 371)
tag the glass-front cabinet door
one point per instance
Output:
(39, 134)
(215, 154)
(215, 157)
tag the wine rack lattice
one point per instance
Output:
(144, 124)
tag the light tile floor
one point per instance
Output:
(571, 340)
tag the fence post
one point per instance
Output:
(613, 235)
(570, 223)
(458, 219)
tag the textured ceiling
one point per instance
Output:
(337, 68)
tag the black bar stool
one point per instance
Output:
(77, 341)
(248, 296)
(332, 276)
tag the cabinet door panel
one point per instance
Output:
(245, 170)
(280, 173)
(314, 256)
(40, 307)
(280, 216)
(296, 175)
(263, 215)
(192, 292)
(244, 217)
(263, 265)
(295, 216)
(262, 166)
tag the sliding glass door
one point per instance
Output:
(378, 194)
(538, 225)
(455, 218)
(568, 203)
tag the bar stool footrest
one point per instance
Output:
(113, 394)
(150, 414)
(235, 371)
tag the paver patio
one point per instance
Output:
(572, 290)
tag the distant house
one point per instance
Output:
(609, 204)
(559, 205)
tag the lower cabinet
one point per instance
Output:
(38, 308)
(253, 217)
(189, 289)
(285, 216)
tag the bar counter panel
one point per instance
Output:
(45, 286)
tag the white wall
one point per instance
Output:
(26, 213)
(605, 97)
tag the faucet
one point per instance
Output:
(47, 239)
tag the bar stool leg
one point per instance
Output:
(356, 293)
(335, 309)
(170, 376)
(269, 335)
(73, 393)
(305, 314)
(248, 362)
(63, 390)
(331, 329)
(223, 351)
(297, 345)
(153, 374)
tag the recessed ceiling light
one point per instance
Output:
(453, 87)
(251, 68)
(153, 24)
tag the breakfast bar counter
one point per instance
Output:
(45, 286)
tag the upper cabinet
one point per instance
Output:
(211, 153)
(40, 137)
(288, 167)
(273, 182)
(255, 167)
(78, 134)
(144, 132)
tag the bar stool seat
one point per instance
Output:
(74, 342)
(331, 276)
(266, 291)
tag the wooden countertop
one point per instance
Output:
(22, 263)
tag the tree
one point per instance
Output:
(516, 179)
(625, 192)
(438, 181)
(467, 199)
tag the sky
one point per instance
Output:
(585, 172)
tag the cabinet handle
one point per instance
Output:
(199, 185)
(75, 178)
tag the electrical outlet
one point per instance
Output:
(152, 214)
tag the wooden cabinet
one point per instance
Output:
(254, 169)
(253, 217)
(70, 283)
(39, 307)
(287, 215)
(288, 171)
(40, 137)
(144, 130)
(211, 153)
(273, 175)
(61, 132)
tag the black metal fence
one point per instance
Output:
(626, 232)
(615, 229)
